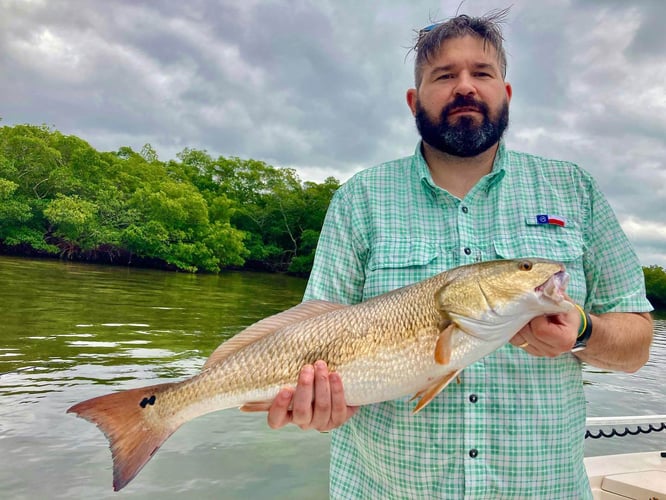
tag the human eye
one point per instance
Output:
(484, 71)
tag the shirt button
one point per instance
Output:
(467, 250)
(465, 210)
(473, 453)
(473, 398)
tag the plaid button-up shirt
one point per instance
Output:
(514, 426)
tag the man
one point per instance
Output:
(514, 425)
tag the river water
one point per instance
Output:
(69, 332)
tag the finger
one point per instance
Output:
(321, 415)
(302, 407)
(339, 412)
(520, 338)
(278, 414)
(546, 332)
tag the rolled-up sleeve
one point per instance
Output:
(614, 275)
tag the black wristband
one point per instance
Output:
(586, 332)
(585, 335)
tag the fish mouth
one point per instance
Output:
(554, 287)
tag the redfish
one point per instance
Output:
(411, 341)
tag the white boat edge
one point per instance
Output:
(627, 475)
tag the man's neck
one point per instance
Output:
(456, 174)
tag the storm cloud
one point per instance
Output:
(319, 86)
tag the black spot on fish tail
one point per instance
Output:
(147, 401)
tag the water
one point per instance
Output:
(72, 331)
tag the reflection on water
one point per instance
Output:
(618, 394)
(71, 331)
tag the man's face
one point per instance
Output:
(462, 104)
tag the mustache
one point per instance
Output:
(461, 101)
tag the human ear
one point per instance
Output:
(411, 100)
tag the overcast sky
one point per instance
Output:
(319, 85)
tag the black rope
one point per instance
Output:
(627, 431)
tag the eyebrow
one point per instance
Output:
(479, 65)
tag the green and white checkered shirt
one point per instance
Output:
(514, 426)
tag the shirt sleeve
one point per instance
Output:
(338, 272)
(615, 279)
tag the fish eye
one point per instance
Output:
(525, 265)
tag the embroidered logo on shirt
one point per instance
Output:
(542, 219)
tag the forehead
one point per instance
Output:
(464, 50)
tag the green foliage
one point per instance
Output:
(278, 211)
(655, 284)
(12, 209)
(60, 195)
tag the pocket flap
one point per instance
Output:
(561, 249)
(401, 253)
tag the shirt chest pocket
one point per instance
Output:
(396, 263)
(567, 249)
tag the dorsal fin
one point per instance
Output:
(271, 324)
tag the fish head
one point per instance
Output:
(493, 300)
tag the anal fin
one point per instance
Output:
(255, 406)
(429, 393)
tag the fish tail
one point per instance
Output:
(133, 437)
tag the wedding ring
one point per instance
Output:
(524, 345)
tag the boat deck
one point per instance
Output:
(628, 476)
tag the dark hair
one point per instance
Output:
(486, 27)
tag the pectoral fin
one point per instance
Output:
(443, 345)
(431, 391)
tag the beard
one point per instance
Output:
(464, 138)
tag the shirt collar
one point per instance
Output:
(487, 182)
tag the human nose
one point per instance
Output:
(465, 85)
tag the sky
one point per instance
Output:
(319, 85)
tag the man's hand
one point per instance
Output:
(549, 336)
(318, 402)
(619, 341)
